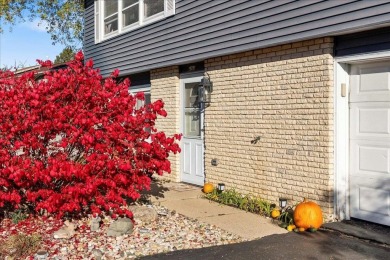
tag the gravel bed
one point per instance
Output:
(169, 232)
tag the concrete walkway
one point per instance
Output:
(187, 200)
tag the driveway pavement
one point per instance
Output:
(323, 244)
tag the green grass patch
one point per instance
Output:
(247, 202)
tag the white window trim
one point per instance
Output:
(99, 15)
(139, 88)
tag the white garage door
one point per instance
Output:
(370, 142)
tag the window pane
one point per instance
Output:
(127, 3)
(145, 102)
(191, 110)
(110, 7)
(111, 24)
(192, 123)
(152, 7)
(139, 104)
(191, 95)
(130, 15)
(147, 98)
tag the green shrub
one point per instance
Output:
(287, 216)
(247, 202)
(18, 216)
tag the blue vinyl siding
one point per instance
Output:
(201, 29)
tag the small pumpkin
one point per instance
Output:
(308, 214)
(291, 227)
(208, 187)
(275, 213)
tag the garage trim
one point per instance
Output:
(341, 133)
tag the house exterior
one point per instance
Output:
(300, 104)
(39, 70)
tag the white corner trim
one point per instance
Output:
(341, 185)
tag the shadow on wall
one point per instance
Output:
(379, 204)
(374, 206)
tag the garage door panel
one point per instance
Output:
(368, 76)
(369, 176)
(370, 81)
(374, 121)
(373, 159)
(370, 157)
(373, 200)
(370, 120)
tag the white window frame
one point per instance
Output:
(140, 88)
(169, 10)
(133, 90)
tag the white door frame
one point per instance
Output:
(186, 78)
(341, 134)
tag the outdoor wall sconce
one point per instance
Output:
(282, 203)
(221, 187)
(204, 90)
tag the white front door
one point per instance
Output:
(192, 165)
(369, 176)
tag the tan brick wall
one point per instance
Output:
(165, 85)
(284, 95)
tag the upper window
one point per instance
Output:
(114, 17)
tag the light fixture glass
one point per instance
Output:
(221, 187)
(204, 90)
(201, 93)
(282, 202)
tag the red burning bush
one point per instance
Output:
(75, 144)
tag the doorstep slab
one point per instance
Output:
(172, 191)
(173, 195)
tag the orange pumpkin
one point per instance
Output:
(208, 187)
(301, 229)
(308, 214)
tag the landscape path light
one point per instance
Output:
(221, 187)
(282, 203)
